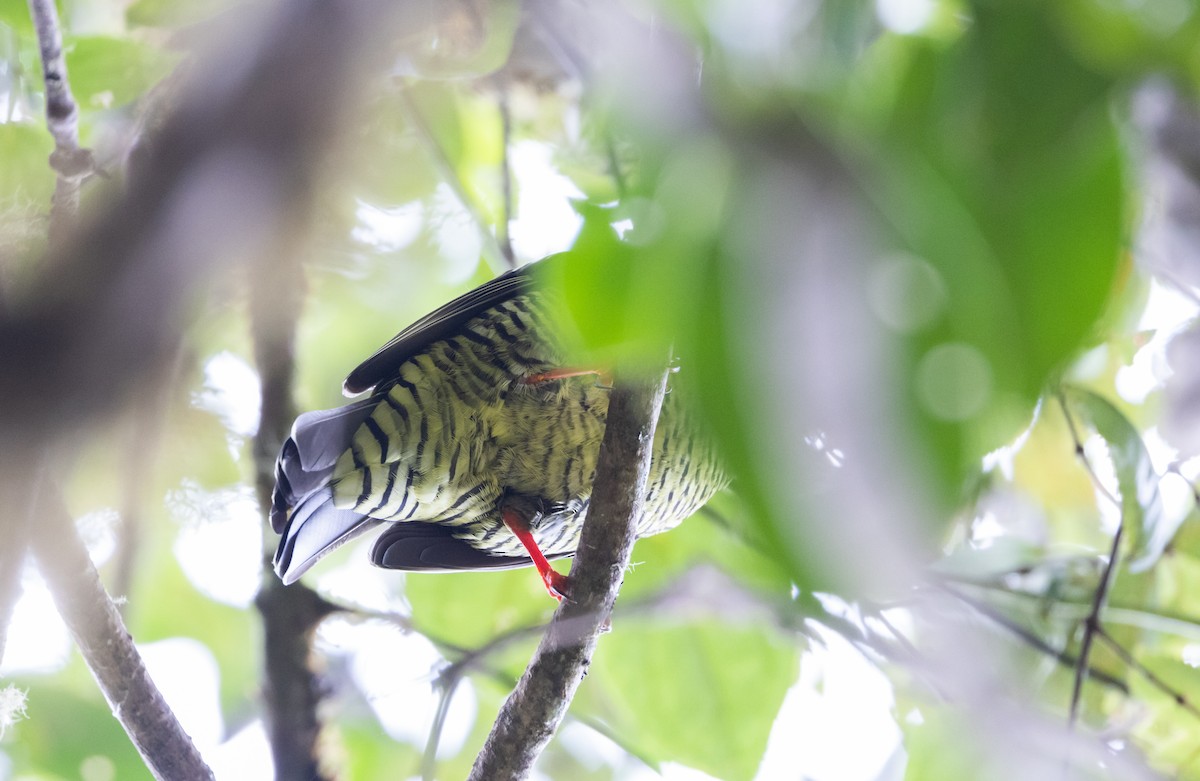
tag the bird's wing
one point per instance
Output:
(442, 323)
(433, 548)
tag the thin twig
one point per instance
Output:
(1081, 455)
(1091, 624)
(1180, 699)
(449, 685)
(71, 163)
(1031, 639)
(532, 713)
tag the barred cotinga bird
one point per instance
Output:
(475, 449)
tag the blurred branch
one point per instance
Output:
(71, 164)
(1079, 451)
(216, 186)
(1031, 639)
(1180, 699)
(292, 693)
(291, 690)
(532, 713)
(1168, 623)
(108, 648)
(1091, 624)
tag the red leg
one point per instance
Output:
(557, 584)
(564, 372)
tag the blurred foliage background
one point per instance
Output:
(932, 265)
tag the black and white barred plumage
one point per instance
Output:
(452, 429)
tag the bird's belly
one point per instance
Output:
(443, 448)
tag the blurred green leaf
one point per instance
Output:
(1000, 165)
(1141, 504)
(370, 753)
(15, 14)
(941, 748)
(470, 608)
(1170, 730)
(66, 726)
(25, 174)
(107, 72)
(173, 13)
(704, 694)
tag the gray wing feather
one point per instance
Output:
(308, 456)
(315, 528)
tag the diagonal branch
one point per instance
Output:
(531, 714)
(109, 650)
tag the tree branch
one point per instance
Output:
(108, 648)
(71, 163)
(531, 714)
(291, 690)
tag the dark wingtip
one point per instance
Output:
(416, 546)
(355, 385)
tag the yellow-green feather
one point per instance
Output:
(458, 428)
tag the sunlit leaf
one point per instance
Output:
(1141, 504)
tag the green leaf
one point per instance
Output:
(1141, 504)
(67, 726)
(173, 13)
(108, 72)
(704, 694)
(25, 174)
(1170, 732)
(941, 747)
(15, 14)
(471, 608)
(998, 164)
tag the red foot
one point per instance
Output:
(557, 584)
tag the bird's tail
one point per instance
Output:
(302, 508)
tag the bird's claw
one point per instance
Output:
(558, 584)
